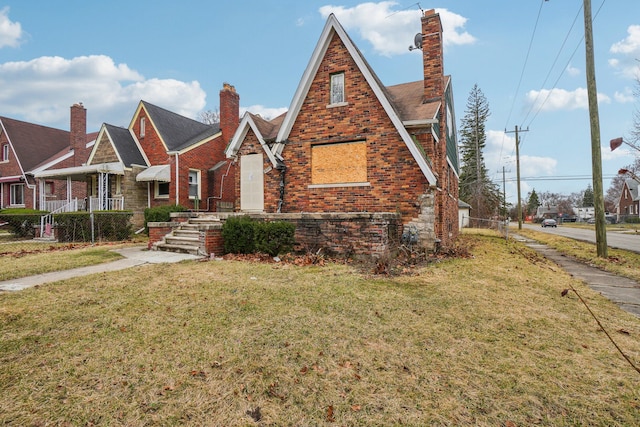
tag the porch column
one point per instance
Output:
(42, 202)
(69, 190)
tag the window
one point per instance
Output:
(194, 184)
(17, 195)
(341, 163)
(118, 185)
(337, 89)
(142, 126)
(5, 153)
(48, 188)
(161, 190)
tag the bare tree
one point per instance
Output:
(209, 117)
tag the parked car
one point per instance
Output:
(549, 222)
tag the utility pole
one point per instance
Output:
(504, 206)
(518, 175)
(596, 160)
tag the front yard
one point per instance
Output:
(482, 340)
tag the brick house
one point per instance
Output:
(161, 158)
(629, 203)
(349, 144)
(28, 149)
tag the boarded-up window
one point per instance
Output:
(339, 163)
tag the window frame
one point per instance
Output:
(195, 173)
(157, 187)
(12, 194)
(143, 126)
(5, 152)
(337, 91)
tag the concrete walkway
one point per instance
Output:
(622, 291)
(133, 256)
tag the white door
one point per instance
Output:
(251, 183)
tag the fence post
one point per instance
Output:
(93, 233)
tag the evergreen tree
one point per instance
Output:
(475, 186)
(533, 203)
(587, 197)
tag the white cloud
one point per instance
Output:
(391, 32)
(43, 89)
(561, 99)
(266, 113)
(10, 32)
(625, 96)
(572, 71)
(629, 48)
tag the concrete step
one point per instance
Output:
(185, 249)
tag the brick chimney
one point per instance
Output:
(432, 54)
(229, 111)
(78, 134)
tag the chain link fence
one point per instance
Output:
(500, 225)
(27, 233)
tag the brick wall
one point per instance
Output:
(394, 181)
(343, 234)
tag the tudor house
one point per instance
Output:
(350, 144)
(28, 149)
(161, 158)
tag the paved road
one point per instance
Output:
(629, 241)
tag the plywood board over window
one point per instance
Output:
(339, 163)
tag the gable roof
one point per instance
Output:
(125, 146)
(263, 129)
(34, 144)
(633, 187)
(177, 132)
(331, 28)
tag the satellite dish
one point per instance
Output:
(417, 41)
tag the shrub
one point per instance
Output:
(161, 213)
(108, 226)
(238, 235)
(274, 238)
(22, 221)
(632, 220)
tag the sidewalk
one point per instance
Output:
(133, 256)
(621, 290)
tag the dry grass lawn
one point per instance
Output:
(485, 340)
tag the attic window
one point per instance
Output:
(142, 126)
(5, 153)
(337, 89)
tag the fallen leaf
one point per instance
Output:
(356, 408)
(330, 416)
(624, 331)
(564, 292)
(255, 414)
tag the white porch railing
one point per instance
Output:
(46, 221)
(109, 204)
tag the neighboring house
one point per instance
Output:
(629, 202)
(350, 144)
(547, 212)
(583, 214)
(29, 148)
(464, 213)
(161, 158)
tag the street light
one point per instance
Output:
(624, 171)
(617, 142)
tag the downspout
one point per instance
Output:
(221, 187)
(283, 169)
(177, 154)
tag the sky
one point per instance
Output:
(526, 56)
